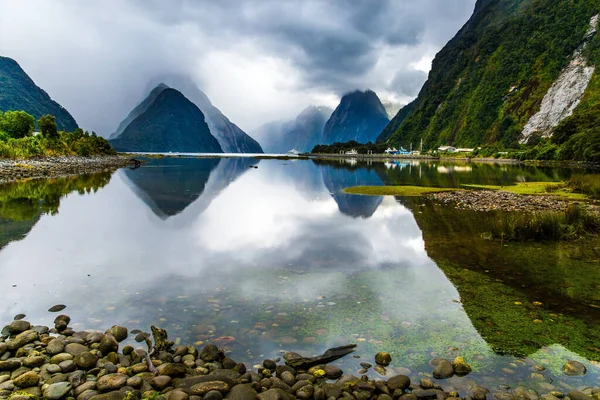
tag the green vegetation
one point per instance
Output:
(574, 223)
(395, 190)
(22, 202)
(490, 79)
(17, 140)
(535, 188)
(361, 148)
(588, 184)
(520, 296)
(19, 92)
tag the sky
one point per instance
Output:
(257, 60)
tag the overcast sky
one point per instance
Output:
(258, 60)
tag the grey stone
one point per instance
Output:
(57, 390)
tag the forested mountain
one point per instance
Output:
(18, 92)
(170, 123)
(512, 60)
(360, 116)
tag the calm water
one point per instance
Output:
(262, 260)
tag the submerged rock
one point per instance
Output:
(443, 369)
(383, 358)
(573, 368)
(461, 368)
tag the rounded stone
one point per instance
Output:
(573, 368)
(213, 395)
(28, 379)
(135, 382)
(461, 368)
(270, 365)
(86, 360)
(57, 390)
(111, 382)
(383, 358)
(55, 346)
(178, 395)
(108, 344)
(118, 332)
(160, 382)
(203, 388)
(401, 382)
(75, 349)
(18, 326)
(333, 372)
(443, 370)
(67, 366)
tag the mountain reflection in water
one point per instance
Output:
(280, 259)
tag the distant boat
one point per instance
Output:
(293, 152)
(352, 152)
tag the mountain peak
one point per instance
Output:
(170, 122)
(360, 116)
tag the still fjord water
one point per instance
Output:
(261, 260)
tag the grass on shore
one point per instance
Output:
(573, 223)
(406, 191)
(561, 189)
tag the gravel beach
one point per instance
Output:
(51, 167)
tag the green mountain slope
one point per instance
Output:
(19, 92)
(170, 123)
(490, 79)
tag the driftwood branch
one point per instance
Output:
(327, 357)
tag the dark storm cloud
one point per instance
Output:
(95, 56)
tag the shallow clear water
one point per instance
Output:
(262, 260)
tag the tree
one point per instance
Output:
(17, 124)
(47, 125)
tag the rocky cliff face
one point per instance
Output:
(19, 92)
(360, 116)
(566, 93)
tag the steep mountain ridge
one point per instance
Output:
(19, 92)
(231, 138)
(170, 123)
(492, 77)
(139, 110)
(360, 116)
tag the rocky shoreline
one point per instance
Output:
(493, 200)
(61, 363)
(52, 167)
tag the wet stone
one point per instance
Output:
(57, 390)
(111, 382)
(213, 395)
(383, 358)
(27, 379)
(75, 349)
(18, 326)
(55, 346)
(401, 382)
(573, 368)
(443, 370)
(118, 332)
